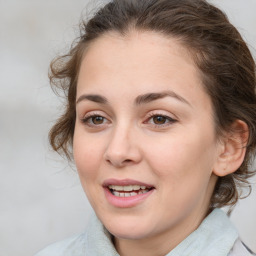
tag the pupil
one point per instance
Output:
(97, 120)
(159, 119)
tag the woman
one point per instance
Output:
(160, 121)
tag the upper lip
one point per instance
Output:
(125, 182)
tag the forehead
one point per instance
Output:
(137, 48)
(142, 61)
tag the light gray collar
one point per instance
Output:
(215, 236)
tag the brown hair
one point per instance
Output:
(223, 58)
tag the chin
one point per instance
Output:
(131, 234)
(126, 227)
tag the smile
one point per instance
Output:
(128, 191)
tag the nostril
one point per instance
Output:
(119, 163)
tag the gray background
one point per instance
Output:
(41, 200)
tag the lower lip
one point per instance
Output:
(126, 202)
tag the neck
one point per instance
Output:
(160, 244)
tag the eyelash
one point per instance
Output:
(168, 120)
(88, 120)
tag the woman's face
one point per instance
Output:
(144, 141)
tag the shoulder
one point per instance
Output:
(74, 245)
(95, 241)
(240, 249)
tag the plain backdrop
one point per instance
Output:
(41, 200)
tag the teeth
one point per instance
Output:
(116, 193)
(125, 194)
(127, 191)
(126, 188)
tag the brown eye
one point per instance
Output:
(159, 119)
(97, 120)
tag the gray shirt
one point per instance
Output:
(216, 236)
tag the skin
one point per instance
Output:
(168, 142)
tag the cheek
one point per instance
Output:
(182, 156)
(183, 168)
(87, 156)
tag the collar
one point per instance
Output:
(215, 236)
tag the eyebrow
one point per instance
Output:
(141, 99)
(92, 97)
(148, 97)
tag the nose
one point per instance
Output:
(122, 149)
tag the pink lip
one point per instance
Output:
(125, 202)
(125, 182)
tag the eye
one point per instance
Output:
(94, 120)
(97, 120)
(160, 120)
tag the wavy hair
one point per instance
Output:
(225, 63)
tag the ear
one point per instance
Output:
(232, 149)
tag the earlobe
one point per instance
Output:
(233, 149)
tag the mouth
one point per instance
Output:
(127, 193)
(128, 190)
